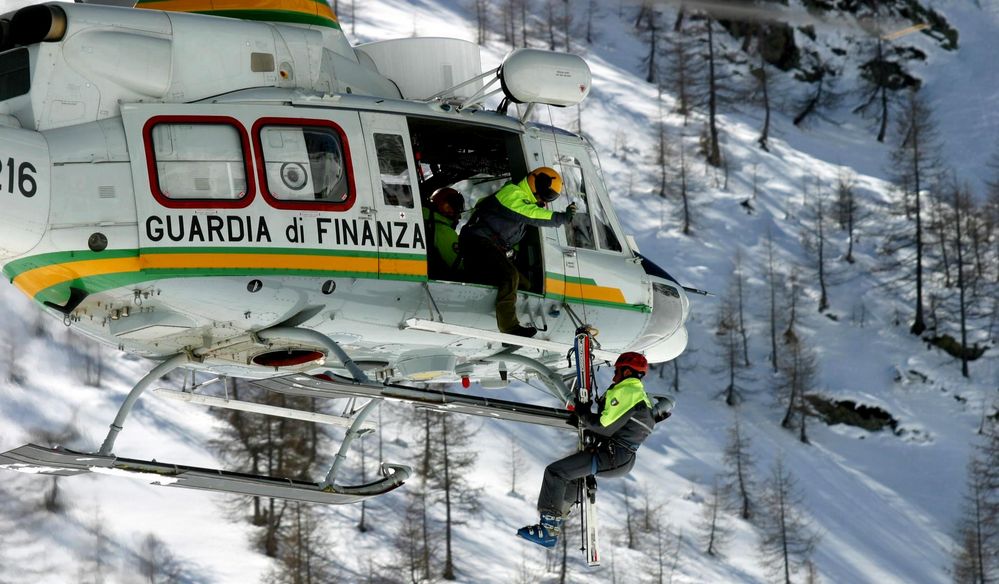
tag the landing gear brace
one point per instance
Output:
(33, 458)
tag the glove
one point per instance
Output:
(571, 211)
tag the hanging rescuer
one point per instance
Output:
(624, 418)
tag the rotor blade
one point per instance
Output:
(901, 33)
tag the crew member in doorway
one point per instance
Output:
(497, 224)
(441, 217)
(624, 419)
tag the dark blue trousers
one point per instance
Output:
(561, 482)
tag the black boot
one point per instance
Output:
(522, 331)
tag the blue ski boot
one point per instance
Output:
(545, 533)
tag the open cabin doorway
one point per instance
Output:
(476, 161)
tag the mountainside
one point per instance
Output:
(883, 504)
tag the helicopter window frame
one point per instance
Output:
(591, 228)
(193, 203)
(392, 152)
(300, 205)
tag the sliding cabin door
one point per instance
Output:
(396, 207)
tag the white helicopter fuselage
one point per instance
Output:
(168, 203)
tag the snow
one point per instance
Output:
(884, 503)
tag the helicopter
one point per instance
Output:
(241, 193)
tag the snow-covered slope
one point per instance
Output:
(884, 504)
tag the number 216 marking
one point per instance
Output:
(20, 178)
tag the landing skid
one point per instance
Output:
(35, 459)
(32, 458)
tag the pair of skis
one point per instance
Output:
(585, 392)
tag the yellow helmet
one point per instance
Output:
(545, 183)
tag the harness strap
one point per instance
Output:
(629, 446)
(641, 423)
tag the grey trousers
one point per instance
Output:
(558, 490)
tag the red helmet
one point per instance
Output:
(448, 202)
(634, 361)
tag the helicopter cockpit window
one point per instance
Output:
(394, 170)
(606, 238)
(304, 164)
(579, 232)
(591, 227)
(199, 161)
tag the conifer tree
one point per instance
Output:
(883, 75)
(730, 351)
(713, 148)
(739, 294)
(976, 557)
(482, 19)
(445, 460)
(961, 204)
(774, 282)
(417, 542)
(848, 211)
(915, 162)
(683, 70)
(158, 564)
(631, 513)
(815, 241)
(799, 371)
(450, 458)
(820, 74)
(713, 525)
(651, 27)
(304, 555)
(515, 463)
(95, 566)
(738, 481)
(266, 445)
(786, 539)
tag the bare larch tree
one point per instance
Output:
(976, 556)
(786, 539)
(713, 524)
(915, 160)
(739, 459)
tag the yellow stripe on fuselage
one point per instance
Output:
(576, 290)
(34, 281)
(303, 6)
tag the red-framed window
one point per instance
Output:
(304, 164)
(198, 162)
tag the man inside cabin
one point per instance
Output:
(624, 419)
(441, 217)
(497, 225)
